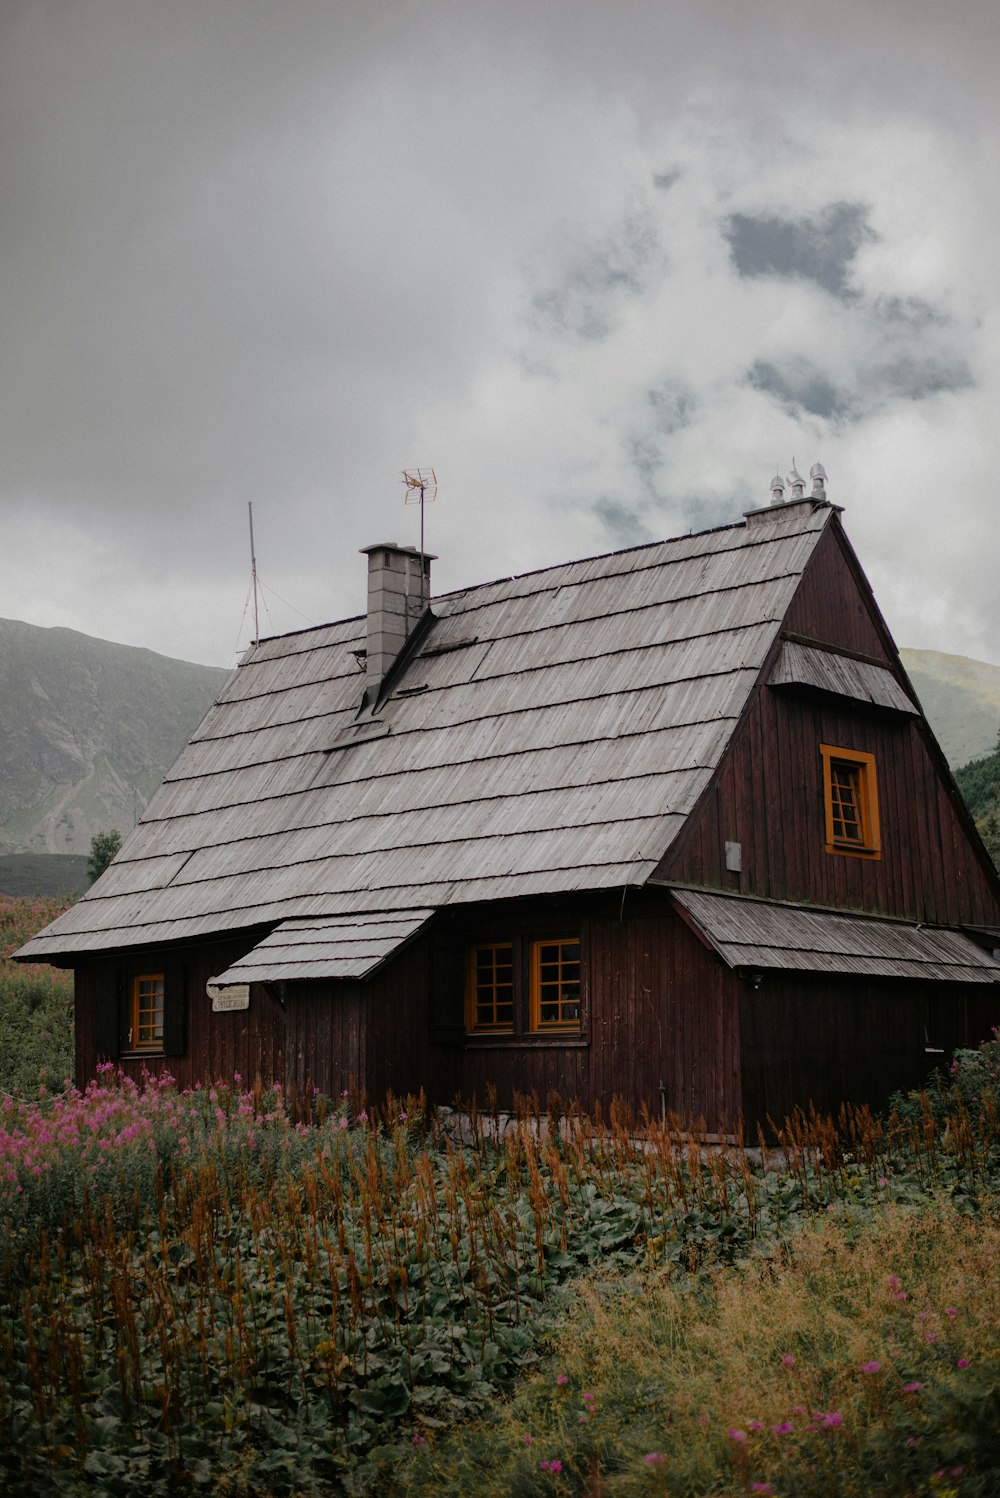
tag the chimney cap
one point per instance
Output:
(412, 551)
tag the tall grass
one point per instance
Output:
(847, 1364)
(36, 1001)
(202, 1288)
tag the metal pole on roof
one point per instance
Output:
(417, 481)
(253, 573)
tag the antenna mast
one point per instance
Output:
(418, 481)
(253, 574)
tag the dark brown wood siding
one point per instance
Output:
(215, 1046)
(828, 1041)
(658, 1007)
(327, 1026)
(833, 602)
(768, 797)
(664, 1010)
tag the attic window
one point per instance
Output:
(850, 797)
(146, 1013)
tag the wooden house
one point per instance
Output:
(667, 825)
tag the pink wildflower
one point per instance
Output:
(420, 1440)
(589, 1398)
(788, 1360)
(554, 1466)
(831, 1419)
(913, 1388)
(761, 1487)
(950, 1311)
(785, 1428)
(654, 1458)
(962, 1363)
(739, 1436)
(873, 1367)
(912, 1441)
(527, 1440)
(562, 1379)
(754, 1425)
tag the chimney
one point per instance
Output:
(398, 591)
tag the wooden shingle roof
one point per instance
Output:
(771, 936)
(545, 733)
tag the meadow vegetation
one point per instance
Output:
(36, 1001)
(236, 1292)
(210, 1289)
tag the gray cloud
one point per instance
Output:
(799, 386)
(624, 524)
(600, 278)
(916, 378)
(277, 252)
(819, 248)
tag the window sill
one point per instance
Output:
(514, 1042)
(141, 1055)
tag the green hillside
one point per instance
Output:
(979, 783)
(88, 729)
(961, 698)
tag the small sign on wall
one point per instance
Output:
(233, 996)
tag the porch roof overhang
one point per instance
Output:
(761, 934)
(336, 946)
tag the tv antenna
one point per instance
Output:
(421, 488)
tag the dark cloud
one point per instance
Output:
(673, 406)
(664, 181)
(908, 312)
(817, 248)
(918, 379)
(624, 523)
(600, 278)
(799, 386)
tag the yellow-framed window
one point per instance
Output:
(555, 984)
(146, 1019)
(850, 798)
(489, 986)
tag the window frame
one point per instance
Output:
(473, 1025)
(526, 1027)
(153, 1045)
(536, 1024)
(861, 766)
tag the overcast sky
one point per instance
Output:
(602, 265)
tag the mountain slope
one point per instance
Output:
(961, 698)
(88, 729)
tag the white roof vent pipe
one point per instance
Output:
(777, 490)
(796, 482)
(818, 475)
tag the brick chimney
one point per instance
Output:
(397, 595)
